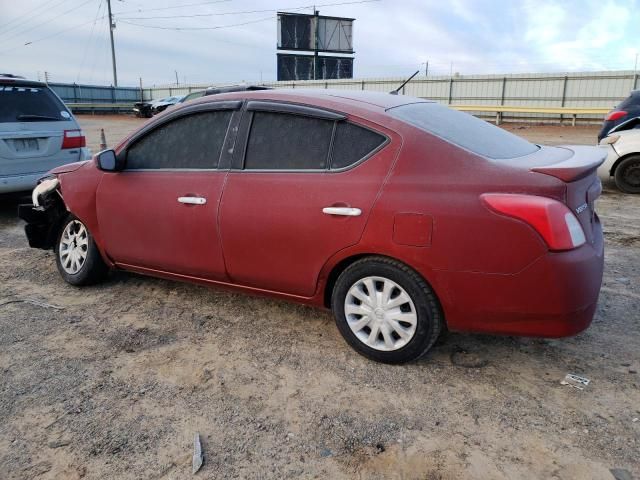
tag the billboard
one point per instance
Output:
(317, 34)
(335, 34)
(292, 66)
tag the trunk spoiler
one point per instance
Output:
(580, 164)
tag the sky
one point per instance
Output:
(217, 41)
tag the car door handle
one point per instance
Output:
(346, 211)
(192, 200)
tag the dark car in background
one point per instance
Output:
(142, 109)
(150, 108)
(628, 109)
(164, 103)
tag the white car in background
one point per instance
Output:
(623, 159)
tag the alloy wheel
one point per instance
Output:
(74, 247)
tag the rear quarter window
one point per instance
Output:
(353, 143)
(464, 130)
(30, 104)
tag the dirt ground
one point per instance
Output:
(113, 381)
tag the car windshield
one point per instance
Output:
(30, 104)
(464, 130)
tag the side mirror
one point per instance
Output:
(108, 161)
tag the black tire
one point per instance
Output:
(430, 320)
(92, 269)
(627, 174)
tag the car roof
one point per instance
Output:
(329, 98)
(15, 80)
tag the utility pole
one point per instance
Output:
(315, 46)
(112, 25)
(177, 82)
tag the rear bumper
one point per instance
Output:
(556, 296)
(19, 183)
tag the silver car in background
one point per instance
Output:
(37, 133)
(623, 159)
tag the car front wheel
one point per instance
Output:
(77, 256)
(386, 311)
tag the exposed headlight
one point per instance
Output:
(610, 140)
(43, 187)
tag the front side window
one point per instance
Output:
(281, 141)
(191, 142)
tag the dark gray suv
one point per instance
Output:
(37, 133)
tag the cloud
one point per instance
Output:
(391, 38)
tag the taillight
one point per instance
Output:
(73, 139)
(555, 223)
(615, 115)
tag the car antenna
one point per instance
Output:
(395, 92)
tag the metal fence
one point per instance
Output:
(580, 90)
(577, 90)
(83, 98)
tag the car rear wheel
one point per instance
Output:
(386, 311)
(627, 175)
(77, 256)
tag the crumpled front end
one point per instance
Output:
(44, 214)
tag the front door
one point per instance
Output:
(293, 203)
(161, 211)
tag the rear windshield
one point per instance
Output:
(30, 104)
(464, 130)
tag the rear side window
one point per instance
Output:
(352, 143)
(281, 141)
(30, 104)
(464, 130)
(194, 141)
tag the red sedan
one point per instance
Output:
(404, 217)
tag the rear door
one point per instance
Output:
(33, 122)
(160, 212)
(300, 191)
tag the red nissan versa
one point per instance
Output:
(401, 215)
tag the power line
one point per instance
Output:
(88, 44)
(29, 15)
(50, 36)
(176, 6)
(249, 11)
(48, 21)
(200, 28)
